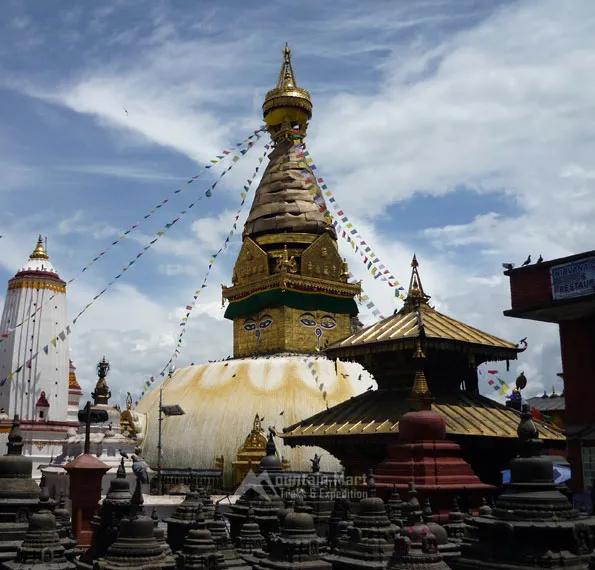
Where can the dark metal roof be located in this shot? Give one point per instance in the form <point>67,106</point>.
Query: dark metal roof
<point>545,403</point>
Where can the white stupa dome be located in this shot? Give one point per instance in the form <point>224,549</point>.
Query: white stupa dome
<point>220,400</point>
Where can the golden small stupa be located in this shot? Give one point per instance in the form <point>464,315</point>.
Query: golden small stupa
<point>289,298</point>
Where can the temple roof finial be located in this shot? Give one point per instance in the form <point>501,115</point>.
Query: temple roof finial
<point>286,77</point>
<point>286,103</point>
<point>102,394</point>
<point>416,295</point>
<point>39,252</point>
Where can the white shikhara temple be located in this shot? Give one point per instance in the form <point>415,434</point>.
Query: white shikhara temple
<point>34,364</point>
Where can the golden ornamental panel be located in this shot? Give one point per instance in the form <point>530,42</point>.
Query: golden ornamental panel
<point>30,284</point>
<point>252,264</point>
<point>322,260</point>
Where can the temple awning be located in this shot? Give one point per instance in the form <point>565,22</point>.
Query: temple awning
<point>375,413</point>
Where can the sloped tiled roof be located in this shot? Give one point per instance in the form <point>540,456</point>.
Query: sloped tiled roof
<point>418,318</point>
<point>378,412</point>
<point>409,325</point>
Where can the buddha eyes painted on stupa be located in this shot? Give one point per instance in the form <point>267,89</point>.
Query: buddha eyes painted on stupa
<point>257,325</point>
<point>249,324</point>
<point>308,319</point>
<point>319,324</point>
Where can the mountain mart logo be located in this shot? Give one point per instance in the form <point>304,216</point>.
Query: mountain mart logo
<point>254,486</point>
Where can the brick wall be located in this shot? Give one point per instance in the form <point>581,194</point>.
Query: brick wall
<point>530,287</point>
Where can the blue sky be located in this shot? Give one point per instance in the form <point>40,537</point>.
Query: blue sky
<point>457,129</point>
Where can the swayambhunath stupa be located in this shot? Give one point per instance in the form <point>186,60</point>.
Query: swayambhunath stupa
<point>290,297</point>
<point>299,424</point>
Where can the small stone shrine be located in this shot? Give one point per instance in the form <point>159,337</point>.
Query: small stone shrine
<point>414,551</point>
<point>223,543</point>
<point>532,525</point>
<point>297,545</point>
<point>136,545</point>
<point>417,547</point>
<point>370,540</point>
<point>261,492</point>
<point>160,533</point>
<point>250,543</point>
<point>394,508</point>
<point>41,549</point>
<point>182,520</point>
<point>64,526</point>
<point>106,522</point>
<point>19,494</point>
<point>199,551</point>
<point>341,513</point>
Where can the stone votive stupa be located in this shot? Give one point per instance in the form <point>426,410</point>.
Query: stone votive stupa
<point>64,526</point>
<point>341,513</point>
<point>370,540</point>
<point>250,543</point>
<point>136,546</point>
<point>106,523</point>
<point>199,551</point>
<point>532,525</point>
<point>182,520</point>
<point>41,549</point>
<point>223,542</point>
<point>297,545</point>
<point>19,494</point>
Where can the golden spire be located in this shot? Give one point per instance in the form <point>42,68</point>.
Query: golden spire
<point>420,397</point>
<point>416,295</point>
<point>287,108</point>
<point>286,81</point>
<point>39,252</point>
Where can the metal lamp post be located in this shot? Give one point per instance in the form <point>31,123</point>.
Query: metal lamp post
<point>168,410</point>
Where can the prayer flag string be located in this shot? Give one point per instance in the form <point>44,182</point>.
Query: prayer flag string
<point>367,302</point>
<point>189,308</point>
<point>226,153</point>
<point>65,332</point>
<point>377,269</point>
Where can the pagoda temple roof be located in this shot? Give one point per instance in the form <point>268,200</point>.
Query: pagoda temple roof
<point>376,413</point>
<point>545,403</point>
<point>417,318</point>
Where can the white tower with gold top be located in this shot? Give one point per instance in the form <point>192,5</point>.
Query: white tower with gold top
<point>36,387</point>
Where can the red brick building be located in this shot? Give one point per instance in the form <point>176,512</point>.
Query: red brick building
<point>562,291</point>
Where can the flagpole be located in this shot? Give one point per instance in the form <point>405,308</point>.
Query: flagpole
<point>159,489</point>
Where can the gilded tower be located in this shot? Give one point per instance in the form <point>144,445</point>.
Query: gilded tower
<point>289,287</point>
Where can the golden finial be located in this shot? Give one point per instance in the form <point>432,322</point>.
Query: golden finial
<point>416,295</point>
<point>287,108</point>
<point>39,252</point>
<point>421,397</point>
<point>286,81</point>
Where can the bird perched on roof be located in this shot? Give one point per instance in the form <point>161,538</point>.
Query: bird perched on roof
<point>370,387</point>
<point>139,468</point>
<point>508,266</point>
<point>540,259</point>
<point>526,262</point>
<point>123,454</point>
